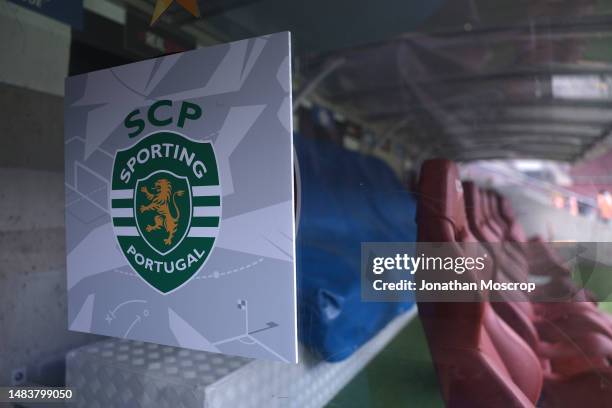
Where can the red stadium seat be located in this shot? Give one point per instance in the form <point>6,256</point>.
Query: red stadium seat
<point>480,360</point>
<point>541,259</point>
<point>555,322</point>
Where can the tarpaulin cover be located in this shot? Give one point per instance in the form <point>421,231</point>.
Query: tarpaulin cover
<point>346,199</point>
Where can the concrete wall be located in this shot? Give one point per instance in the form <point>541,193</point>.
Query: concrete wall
<point>34,60</point>
<point>33,317</point>
<point>34,50</point>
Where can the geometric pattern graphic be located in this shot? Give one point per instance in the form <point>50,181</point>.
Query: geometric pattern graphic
<point>242,299</point>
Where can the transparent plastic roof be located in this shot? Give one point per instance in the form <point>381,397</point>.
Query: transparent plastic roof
<point>529,81</point>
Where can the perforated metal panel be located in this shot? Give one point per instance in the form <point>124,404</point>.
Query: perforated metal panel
<point>123,373</point>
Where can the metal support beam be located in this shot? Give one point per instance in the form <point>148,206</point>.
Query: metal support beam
<point>310,85</point>
<point>390,133</point>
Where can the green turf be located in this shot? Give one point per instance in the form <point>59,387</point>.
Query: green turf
<point>401,375</point>
<point>606,306</point>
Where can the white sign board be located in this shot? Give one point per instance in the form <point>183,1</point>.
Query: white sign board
<point>179,200</point>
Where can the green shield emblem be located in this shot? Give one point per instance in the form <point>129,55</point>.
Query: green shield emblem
<point>166,207</point>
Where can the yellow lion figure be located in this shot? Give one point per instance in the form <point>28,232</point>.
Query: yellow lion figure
<point>160,203</point>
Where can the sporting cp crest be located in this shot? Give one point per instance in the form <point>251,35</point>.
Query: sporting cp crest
<point>166,207</point>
